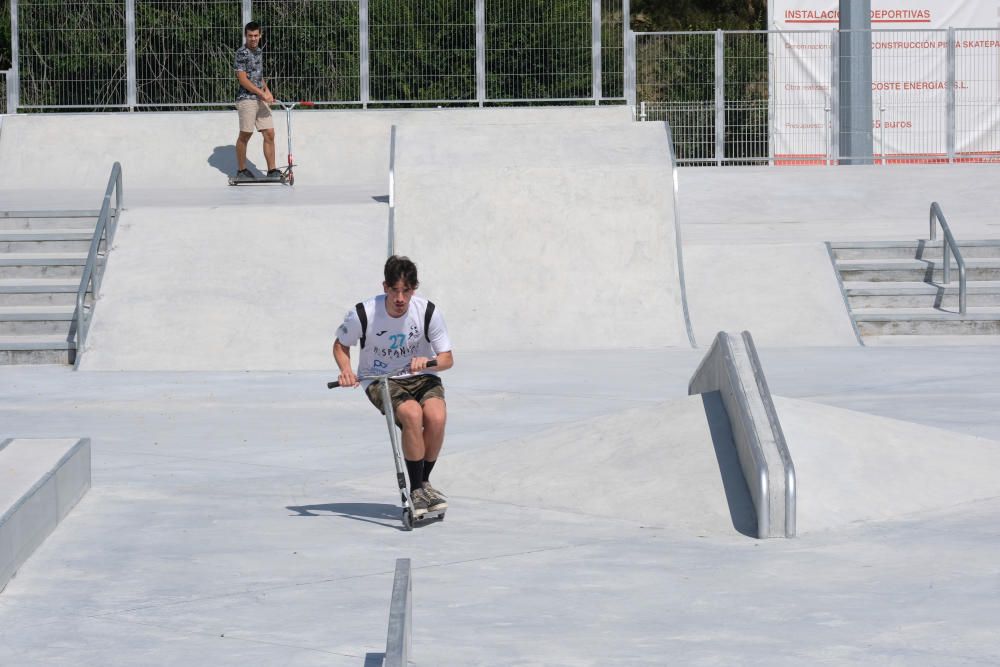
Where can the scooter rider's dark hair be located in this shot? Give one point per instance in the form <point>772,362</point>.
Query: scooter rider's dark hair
<point>397,267</point>
<point>253,25</point>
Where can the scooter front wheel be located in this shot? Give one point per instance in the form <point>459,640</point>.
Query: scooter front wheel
<point>407,520</point>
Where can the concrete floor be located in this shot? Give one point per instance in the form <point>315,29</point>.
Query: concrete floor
<point>250,518</point>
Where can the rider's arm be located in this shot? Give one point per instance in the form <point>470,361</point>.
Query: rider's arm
<point>342,355</point>
<point>261,93</point>
<point>445,360</point>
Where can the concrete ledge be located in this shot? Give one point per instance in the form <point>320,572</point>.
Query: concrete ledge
<point>397,644</point>
<point>733,369</point>
<point>40,482</point>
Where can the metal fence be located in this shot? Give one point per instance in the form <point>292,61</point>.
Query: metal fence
<point>773,97</point>
<point>4,76</point>
<point>96,54</point>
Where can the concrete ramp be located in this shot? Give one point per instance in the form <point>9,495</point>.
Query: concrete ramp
<point>196,150</point>
<point>233,288</point>
<point>672,465</point>
<point>555,237</point>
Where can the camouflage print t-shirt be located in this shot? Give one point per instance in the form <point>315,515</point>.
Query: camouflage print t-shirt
<point>251,62</point>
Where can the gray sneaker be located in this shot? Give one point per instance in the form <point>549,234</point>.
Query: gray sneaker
<point>246,174</point>
<point>419,501</point>
<point>435,499</point>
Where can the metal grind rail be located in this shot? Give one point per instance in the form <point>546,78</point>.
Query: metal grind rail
<point>93,272</point>
<point>949,243</point>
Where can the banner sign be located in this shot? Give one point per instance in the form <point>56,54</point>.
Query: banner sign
<point>911,60</point>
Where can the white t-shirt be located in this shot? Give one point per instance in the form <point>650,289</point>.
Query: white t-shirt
<point>390,342</point>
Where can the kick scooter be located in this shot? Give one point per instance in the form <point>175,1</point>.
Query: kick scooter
<point>287,176</point>
<point>397,452</point>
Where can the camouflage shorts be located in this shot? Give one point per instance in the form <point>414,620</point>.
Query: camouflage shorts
<point>415,388</point>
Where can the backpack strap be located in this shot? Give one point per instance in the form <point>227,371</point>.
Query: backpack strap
<point>363,318</point>
<point>427,320</point>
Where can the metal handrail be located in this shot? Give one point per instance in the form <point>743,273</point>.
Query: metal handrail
<point>107,223</point>
<point>949,243</point>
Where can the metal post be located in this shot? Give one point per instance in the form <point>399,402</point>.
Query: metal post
<point>595,49</point>
<point>951,95</point>
<point>363,41</point>
<point>834,97</point>
<point>481,52</point>
<point>14,77</point>
<point>856,82</point>
<point>881,129</point>
<point>247,8</point>
<point>720,97</point>
<point>130,73</point>
<point>628,42</point>
<point>630,82</point>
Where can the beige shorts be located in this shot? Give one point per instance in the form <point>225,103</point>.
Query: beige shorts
<point>254,113</point>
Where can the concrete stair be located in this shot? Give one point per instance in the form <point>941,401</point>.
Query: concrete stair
<point>42,256</point>
<point>895,288</point>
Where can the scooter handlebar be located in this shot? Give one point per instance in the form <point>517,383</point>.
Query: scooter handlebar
<point>333,385</point>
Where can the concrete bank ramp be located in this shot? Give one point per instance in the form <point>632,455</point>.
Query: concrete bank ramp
<point>554,236</point>
<point>672,465</point>
<point>786,294</point>
<point>195,150</point>
<point>233,288</point>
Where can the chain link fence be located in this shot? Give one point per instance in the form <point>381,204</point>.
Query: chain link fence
<point>774,98</point>
<point>97,54</point>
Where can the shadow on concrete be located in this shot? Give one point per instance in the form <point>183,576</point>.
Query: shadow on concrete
<point>741,509</point>
<point>223,158</point>
<point>382,199</point>
<point>377,513</point>
<point>374,659</point>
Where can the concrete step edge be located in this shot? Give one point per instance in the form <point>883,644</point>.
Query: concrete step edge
<point>891,264</point>
<point>36,313</point>
<point>922,315</point>
<point>876,245</point>
<point>890,288</point>
<point>34,342</point>
<point>23,235</point>
<point>37,285</point>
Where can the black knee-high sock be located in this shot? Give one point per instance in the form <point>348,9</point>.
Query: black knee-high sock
<point>428,466</point>
<point>416,472</point>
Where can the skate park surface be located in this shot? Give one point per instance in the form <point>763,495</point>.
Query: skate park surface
<point>243,514</point>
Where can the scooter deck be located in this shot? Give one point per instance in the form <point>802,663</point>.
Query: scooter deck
<point>263,180</point>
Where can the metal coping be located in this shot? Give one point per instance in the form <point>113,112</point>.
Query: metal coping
<point>397,644</point>
<point>720,363</point>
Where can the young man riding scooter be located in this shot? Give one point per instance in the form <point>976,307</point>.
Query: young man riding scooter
<point>401,331</point>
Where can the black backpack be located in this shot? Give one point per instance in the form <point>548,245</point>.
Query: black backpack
<point>363,317</point>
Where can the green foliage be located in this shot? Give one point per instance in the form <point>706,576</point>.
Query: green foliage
<point>5,44</point>
<point>676,15</point>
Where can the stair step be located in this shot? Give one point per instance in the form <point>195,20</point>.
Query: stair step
<point>893,314</point>
<point>37,285</point>
<point>916,249</point>
<point>38,291</point>
<point>868,294</point>
<point>36,349</point>
<point>914,270</point>
<point>56,234</point>
<point>926,321</point>
<point>12,220</point>
<point>35,313</point>
<point>36,343</point>
<point>46,320</point>
<point>43,259</point>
